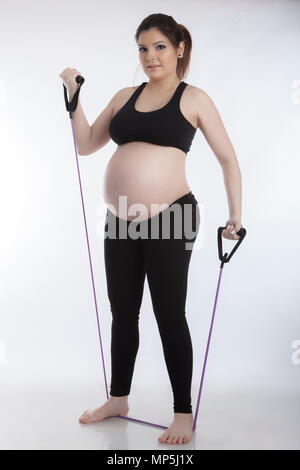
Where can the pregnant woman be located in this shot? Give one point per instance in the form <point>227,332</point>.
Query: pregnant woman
<point>154,125</point>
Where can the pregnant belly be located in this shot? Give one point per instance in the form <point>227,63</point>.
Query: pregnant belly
<point>142,179</point>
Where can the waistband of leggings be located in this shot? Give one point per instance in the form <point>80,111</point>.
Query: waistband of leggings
<point>187,198</point>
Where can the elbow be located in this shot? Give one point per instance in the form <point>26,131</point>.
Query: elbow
<point>228,161</point>
<point>92,148</point>
<point>84,151</point>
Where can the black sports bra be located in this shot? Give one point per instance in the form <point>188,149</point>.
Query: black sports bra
<point>164,126</point>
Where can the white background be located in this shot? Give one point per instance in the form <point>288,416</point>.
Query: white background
<point>245,56</point>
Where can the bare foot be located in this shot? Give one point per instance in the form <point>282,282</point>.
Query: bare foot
<point>180,431</point>
<point>113,407</point>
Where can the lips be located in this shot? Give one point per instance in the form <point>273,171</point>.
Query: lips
<point>153,66</point>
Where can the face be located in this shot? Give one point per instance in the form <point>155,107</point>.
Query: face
<point>156,49</point>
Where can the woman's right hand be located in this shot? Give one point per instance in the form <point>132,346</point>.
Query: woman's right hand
<point>68,77</point>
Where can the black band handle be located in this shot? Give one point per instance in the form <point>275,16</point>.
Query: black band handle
<point>71,107</point>
<point>225,258</point>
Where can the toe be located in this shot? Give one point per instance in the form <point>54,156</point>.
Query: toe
<point>162,438</point>
<point>180,440</point>
<point>174,439</point>
<point>84,417</point>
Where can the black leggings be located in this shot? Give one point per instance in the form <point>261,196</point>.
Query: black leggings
<point>165,258</point>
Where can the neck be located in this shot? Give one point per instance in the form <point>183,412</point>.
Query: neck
<point>163,84</point>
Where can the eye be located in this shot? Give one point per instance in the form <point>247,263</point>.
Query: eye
<point>159,45</point>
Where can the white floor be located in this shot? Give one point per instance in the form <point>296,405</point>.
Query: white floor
<point>34,417</point>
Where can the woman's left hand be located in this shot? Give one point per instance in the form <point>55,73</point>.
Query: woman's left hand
<point>232,226</point>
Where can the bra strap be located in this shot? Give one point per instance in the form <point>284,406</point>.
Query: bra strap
<point>178,93</point>
<point>136,93</point>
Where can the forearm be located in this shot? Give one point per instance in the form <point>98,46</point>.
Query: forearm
<point>233,184</point>
<point>82,129</point>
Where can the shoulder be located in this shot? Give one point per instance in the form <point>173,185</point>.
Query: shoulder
<point>199,95</point>
<point>202,102</point>
<point>125,92</point>
<point>121,96</point>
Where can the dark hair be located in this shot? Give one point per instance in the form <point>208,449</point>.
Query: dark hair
<point>175,32</point>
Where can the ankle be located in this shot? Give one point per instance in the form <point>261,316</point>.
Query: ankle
<point>191,415</point>
<point>123,398</point>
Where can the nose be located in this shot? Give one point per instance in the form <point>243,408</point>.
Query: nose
<point>151,56</point>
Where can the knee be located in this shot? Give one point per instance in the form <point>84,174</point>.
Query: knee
<point>126,315</point>
<point>170,316</point>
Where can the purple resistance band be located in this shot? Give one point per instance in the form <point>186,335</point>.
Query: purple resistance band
<point>71,107</point>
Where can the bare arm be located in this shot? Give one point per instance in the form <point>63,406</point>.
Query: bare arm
<point>212,127</point>
<point>82,129</point>
<point>88,138</point>
<point>99,131</point>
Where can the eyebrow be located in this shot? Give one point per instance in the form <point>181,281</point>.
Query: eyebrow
<point>139,44</point>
